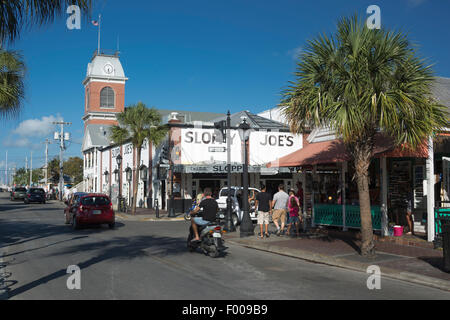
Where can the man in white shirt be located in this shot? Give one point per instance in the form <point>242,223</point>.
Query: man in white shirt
<point>279,206</point>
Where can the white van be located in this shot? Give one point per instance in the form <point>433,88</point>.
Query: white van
<point>236,198</point>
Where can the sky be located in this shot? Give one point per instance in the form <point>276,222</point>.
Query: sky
<point>198,55</point>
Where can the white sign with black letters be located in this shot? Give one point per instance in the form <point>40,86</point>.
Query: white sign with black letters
<point>269,146</point>
<point>202,146</point>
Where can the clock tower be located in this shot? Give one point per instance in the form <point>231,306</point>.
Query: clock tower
<point>104,87</point>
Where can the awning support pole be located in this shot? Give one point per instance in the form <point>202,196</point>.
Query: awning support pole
<point>430,191</point>
<point>384,195</point>
<point>343,196</point>
<point>313,224</point>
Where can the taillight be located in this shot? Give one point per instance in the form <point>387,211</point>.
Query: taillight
<point>81,208</point>
<point>217,228</point>
<point>29,196</point>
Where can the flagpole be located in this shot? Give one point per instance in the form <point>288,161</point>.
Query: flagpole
<point>99,30</point>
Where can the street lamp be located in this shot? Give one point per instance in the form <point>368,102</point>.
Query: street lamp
<point>143,173</point>
<point>225,127</point>
<point>129,177</point>
<point>106,174</point>
<point>246,228</point>
<point>118,174</point>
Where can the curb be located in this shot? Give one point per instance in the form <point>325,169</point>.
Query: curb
<point>3,292</point>
<point>147,219</point>
<point>347,264</point>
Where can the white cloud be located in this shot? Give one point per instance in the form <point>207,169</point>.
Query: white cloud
<point>37,127</point>
<point>17,142</point>
<point>294,53</point>
<point>415,3</point>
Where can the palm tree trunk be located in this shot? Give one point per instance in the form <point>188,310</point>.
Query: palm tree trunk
<point>136,179</point>
<point>362,163</point>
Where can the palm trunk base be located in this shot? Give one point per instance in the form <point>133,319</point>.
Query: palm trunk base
<point>368,249</point>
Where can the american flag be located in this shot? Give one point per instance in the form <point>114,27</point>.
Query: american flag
<point>95,23</point>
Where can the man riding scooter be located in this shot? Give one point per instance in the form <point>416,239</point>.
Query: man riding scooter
<point>209,213</point>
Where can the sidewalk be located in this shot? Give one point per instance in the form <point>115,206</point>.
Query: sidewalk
<point>143,214</point>
<point>412,263</point>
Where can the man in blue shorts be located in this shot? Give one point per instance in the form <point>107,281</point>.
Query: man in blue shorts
<point>209,213</point>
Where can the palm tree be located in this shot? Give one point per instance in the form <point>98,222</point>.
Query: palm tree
<point>357,82</point>
<point>16,14</point>
<point>136,124</point>
<point>12,73</point>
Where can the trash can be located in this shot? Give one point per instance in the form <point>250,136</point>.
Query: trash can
<point>445,235</point>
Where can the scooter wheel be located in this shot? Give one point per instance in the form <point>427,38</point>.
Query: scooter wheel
<point>189,244</point>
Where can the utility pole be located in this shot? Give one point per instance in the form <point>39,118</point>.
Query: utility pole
<point>26,168</point>
<point>6,169</point>
<point>31,170</point>
<point>61,137</point>
<point>47,142</point>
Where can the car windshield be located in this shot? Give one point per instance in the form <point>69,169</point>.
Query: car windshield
<point>95,201</point>
<point>38,191</point>
<point>21,190</point>
<point>224,192</point>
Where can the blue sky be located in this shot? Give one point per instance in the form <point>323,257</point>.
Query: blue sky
<point>198,55</point>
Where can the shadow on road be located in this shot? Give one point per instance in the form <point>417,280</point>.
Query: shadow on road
<point>19,232</point>
<point>119,248</point>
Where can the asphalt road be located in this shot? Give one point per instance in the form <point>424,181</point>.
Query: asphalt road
<point>149,260</point>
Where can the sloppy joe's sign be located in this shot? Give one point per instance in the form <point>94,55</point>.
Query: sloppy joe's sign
<point>197,146</point>
<point>269,146</point>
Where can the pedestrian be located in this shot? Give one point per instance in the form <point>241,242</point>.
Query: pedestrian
<point>263,205</point>
<point>299,193</point>
<point>292,194</point>
<point>199,197</point>
<point>409,217</point>
<point>279,207</point>
<point>293,215</point>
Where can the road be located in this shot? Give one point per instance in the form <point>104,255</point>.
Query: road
<point>149,260</point>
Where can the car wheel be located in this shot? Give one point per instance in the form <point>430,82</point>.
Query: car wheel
<point>235,219</point>
<point>75,225</point>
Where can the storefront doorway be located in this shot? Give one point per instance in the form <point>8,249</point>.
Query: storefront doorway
<point>214,185</point>
<point>272,186</point>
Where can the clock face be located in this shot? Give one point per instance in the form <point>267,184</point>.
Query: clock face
<point>108,68</point>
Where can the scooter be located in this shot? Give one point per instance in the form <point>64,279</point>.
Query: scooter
<point>211,242</point>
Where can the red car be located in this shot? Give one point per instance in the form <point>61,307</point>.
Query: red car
<point>93,209</point>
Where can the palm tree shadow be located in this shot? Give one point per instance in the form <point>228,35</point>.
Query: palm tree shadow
<point>115,249</point>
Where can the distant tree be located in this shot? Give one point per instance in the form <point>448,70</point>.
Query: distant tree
<point>53,170</point>
<point>22,176</point>
<point>73,167</point>
<point>136,124</point>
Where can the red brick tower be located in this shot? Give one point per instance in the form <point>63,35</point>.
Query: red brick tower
<point>104,90</point>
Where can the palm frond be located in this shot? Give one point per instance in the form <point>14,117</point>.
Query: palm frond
<point>358,81</point>
<point>16,14</point>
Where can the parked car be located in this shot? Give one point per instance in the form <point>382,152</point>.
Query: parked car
<point>35,195</point>
<point>236,197</point>
<point>72,205</point>
<point>93,209</point>
<point>18,193</point>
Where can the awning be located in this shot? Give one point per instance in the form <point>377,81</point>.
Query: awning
<point>335,151</point>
